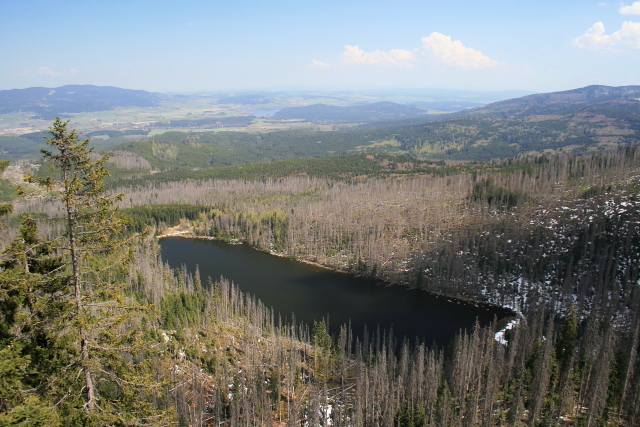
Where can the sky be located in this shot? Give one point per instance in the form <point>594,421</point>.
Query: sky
<point>248,45</point>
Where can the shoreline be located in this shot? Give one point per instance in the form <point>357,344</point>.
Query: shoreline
<point>509,314</point>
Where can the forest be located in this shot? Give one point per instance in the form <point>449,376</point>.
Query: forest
<point>98,330</point>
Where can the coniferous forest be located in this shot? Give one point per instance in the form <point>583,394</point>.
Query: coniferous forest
<point>97,330</point>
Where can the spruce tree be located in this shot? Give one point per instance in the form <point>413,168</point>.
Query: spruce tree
<point>5,208</point>
<point>23,325</point>
<point>107,376</point>
<point>28,302</point>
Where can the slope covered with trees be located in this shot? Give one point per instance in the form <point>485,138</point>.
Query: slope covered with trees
<point>531,105</point>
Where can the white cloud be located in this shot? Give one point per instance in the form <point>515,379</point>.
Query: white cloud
<point>627,37</point>
<point>318,64</point>
<point>454,53</point>
<point>634,9</point>
<point>393,57</point>
<point>46,71</point>
<point>450,52</point>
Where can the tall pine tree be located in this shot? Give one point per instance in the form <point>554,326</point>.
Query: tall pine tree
<point>100,357</point>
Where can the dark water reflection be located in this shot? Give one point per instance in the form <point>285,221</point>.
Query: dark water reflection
<point>313,293</point>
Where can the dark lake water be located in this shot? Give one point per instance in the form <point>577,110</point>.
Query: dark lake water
<point>314,293</point>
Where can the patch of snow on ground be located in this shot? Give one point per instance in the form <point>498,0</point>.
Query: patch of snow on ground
<point>499,336</point>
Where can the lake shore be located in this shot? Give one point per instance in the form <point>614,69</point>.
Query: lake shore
<point>509,315</point>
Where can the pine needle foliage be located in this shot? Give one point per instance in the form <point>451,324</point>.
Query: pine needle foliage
<point>96,365</point>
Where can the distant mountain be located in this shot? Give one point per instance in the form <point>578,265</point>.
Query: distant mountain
<point>376,111</point>
<point>557,102</point>
<point>575,121</point>
<point>48,103</point>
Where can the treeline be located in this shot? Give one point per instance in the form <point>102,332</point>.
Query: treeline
<point>213,122</point>
<point>158,216</point>
<point>175,149</point>
<point>489,138</point>
<point>116,133</point>
<point>194,149</point>
<point>17,147</point>
<point>349,167</point>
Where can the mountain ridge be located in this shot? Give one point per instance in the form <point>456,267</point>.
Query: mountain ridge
<point>48,103</point>
<point>561,101</point>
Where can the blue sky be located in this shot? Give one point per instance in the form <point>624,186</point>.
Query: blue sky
<point>241,45</point>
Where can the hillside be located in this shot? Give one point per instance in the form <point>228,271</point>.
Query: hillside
<point>580,120</point>
<point>555,102</point>
<point>48,103</point>
<point>342,168</point>
<point>174,150</point>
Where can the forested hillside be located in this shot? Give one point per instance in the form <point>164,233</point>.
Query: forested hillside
<point>555,102</point>
<point>174,150</point>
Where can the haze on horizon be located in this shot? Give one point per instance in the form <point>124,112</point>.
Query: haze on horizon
<point>166,46</point>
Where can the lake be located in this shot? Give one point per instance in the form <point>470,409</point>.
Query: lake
<point>313,293</point>
<point>262,112</point>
